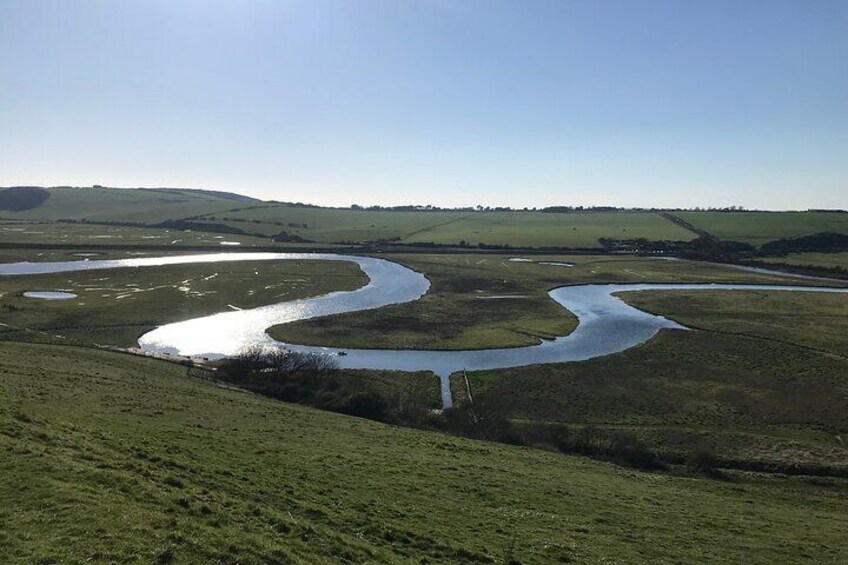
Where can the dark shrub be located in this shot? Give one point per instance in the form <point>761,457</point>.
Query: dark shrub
<point>366,405</point>
<point>703,460</point>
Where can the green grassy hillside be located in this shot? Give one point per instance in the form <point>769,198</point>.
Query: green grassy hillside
<point>534,229</point>
<point>109,458</point>
<point>757,228</point>
<point>578,229</point>
<point>125,205</point>
<point>530,229</point>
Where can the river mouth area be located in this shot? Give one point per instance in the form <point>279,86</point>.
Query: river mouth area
<point>606,324</point>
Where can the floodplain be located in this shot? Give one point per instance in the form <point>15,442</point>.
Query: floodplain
<point>705,444</point>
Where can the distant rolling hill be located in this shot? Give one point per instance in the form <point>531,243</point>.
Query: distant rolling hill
<point>20,198</point>
<point>204,209</point>
<point>140,205</point>
<point>560,227</point>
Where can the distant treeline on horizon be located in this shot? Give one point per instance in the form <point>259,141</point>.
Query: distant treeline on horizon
<point>431,208</point>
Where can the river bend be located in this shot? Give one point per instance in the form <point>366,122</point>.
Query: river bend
<point>606,324</point>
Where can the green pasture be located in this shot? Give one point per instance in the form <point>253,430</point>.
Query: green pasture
<point>518,229</point>
<point>335,225</point>
<point>331,225</point>
<point>757,228</point>
<point>808,319</point>
<point>111,458</point>
<point>536,229</point>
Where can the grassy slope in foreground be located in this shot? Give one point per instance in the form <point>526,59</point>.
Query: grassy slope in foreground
<point>113,458</point>
<point>757,228</point>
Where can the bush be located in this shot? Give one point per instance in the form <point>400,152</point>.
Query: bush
<point>703,460</point>
<point>366,405</point>
<point>302,378</point>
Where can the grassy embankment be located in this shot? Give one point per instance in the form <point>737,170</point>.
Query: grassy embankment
<point>114,458</point>
<point>461,311</point>
<point>757,228</point>
<point>116,306</point>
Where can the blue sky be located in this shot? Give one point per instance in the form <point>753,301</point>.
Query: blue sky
<point>446,102</point>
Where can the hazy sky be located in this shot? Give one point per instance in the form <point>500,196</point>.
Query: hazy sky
<point>447,102</point>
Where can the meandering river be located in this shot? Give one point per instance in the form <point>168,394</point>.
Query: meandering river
<point>606,324</point>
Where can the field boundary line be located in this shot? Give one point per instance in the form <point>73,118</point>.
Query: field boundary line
<point>686,225</point>
<point>428,228</point>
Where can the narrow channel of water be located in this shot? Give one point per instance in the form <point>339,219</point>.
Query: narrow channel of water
<point>49,294</point>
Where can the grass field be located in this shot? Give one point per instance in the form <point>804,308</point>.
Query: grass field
<point>110,458</point>
<point>533,229</point>
<point>116,306</point>
<point>761,383</point>
<point>335,225</point>
<point>814,259</point>
<point>530,229</point>
<point>757,228</point>
<point>754,402</point>
<point>818,321</point>
<point>331,224</point>
<point>462,309</point>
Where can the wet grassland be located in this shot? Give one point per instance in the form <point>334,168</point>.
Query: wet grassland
<point>484,301</point>
<point>116,306</point>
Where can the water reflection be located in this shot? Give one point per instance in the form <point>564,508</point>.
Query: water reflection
<point>606,324</point>
<point>49,294</point>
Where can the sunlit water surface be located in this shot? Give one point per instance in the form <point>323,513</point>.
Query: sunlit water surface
<point>606,323</point>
